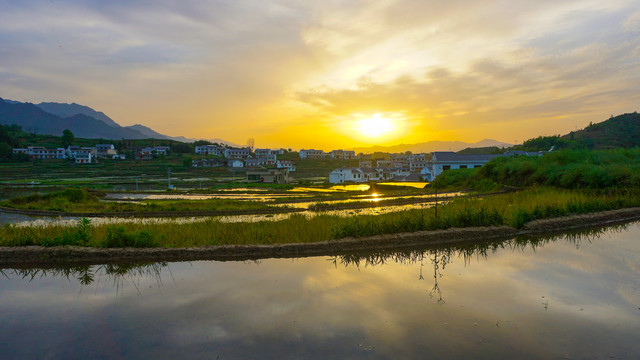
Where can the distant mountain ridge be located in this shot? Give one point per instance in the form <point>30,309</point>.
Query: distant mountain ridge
<point>52,118</point>
<point>431,146</point>
<point>33,119</point>
<point>66,110</point>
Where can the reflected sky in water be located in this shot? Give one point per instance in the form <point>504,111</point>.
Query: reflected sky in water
<point>562,298</point>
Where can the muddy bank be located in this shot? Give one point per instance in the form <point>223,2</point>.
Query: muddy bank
<point>34,255</point>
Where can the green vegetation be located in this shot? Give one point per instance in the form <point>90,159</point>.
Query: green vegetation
<point>513,209</point>
<point>618,131</point>
<point>10,137</point>
<point>482,150</point>
<point>83,200</point>
<point>467,179</point>
<point>567,169</point>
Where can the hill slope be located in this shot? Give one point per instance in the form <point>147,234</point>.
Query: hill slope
<point>618,131</point>
<point>65,110</point>
<point>33,119</point>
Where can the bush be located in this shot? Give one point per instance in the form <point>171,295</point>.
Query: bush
<point>118,237</point>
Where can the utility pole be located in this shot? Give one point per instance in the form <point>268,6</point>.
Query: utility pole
<point>436,202</point>
<point>169,171</point>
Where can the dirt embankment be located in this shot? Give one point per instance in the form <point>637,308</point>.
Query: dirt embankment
<point>79,255</point>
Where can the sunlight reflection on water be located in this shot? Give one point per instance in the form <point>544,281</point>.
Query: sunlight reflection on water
<point>569,296</point>
<point>22,221</point>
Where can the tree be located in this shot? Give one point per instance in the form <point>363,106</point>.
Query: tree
<point>182,148</point>
<point>202,143</point>
<point>251,142</point>
<point>5,151</point>
<point>67,138</point>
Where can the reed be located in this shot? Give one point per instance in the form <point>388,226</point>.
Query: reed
<point>84,200</point>
<point>567,169</point>
<point>512,209</point>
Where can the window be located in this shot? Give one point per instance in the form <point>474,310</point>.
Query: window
<point>477,166</point>
<point>446,167</point>
<point>463,166</point>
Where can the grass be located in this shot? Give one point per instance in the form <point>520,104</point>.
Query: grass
<point>513,209</point>
<point>567,169</point>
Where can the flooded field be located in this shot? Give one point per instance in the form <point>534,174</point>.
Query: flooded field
<point>573,297</point>
<point>293,199</point>
<point>26,220</point>
<point>258,196</point>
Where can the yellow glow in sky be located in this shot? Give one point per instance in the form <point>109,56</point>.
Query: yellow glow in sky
<point>329,75</point>
<point>375,127</point>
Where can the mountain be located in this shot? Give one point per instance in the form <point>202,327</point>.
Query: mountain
<point>33,119</point>
<point>431,146</point>
<point>65,110</point>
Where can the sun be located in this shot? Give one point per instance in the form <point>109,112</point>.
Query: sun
<point>376,126</point>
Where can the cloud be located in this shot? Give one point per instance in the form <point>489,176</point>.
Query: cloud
<point>197,68</point>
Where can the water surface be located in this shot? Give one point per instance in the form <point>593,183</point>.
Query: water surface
<point>572,297</point>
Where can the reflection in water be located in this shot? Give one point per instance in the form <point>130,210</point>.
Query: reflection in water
<point>354,187</point>
<point>85,275</point>
<point>41,221</point>
<point>417,185</point>
<point>568,296</point>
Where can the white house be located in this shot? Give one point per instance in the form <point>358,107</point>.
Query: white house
<point>342,175</point>
<point>265,152</point>
<point>342,154</point>
<point>267,160</point>
<point>399,160</point>
<point>39,152</point>
<point>417,165</point>
<point>312,154</point>
<point>255,162</point>
<point>83,158</point>
<point>210,150</point>
<point>235,164</point>
<point>358,175</point>
<point>261,152</point>
<point>106,150</point>
<point>383,164</point>
<point>164,150</point>
<point>286,164</point>
<point>236,153</point>
<point>273,176</point>
<point>447,160</point>
<point>74,151</point>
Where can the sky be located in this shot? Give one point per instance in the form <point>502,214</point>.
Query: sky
<point>329,74</point>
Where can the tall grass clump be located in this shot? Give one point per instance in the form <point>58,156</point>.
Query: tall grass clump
<point>468,179</point>
<point>56,201</point>
<point>568,169</point>
<point>82,200</point>
<point>511,209</point>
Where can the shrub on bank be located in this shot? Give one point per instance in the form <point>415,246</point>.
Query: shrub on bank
<point>567,169</point>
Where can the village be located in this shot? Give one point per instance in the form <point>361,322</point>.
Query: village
<point>277,165</point>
